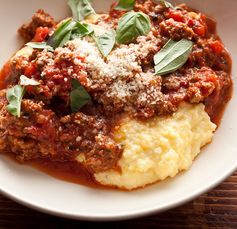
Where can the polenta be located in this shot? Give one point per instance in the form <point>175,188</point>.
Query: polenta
<point>159,148</point>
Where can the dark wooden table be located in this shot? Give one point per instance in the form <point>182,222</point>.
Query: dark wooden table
<point>216,209</point>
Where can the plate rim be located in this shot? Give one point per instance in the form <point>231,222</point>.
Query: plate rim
<point>121,216</point>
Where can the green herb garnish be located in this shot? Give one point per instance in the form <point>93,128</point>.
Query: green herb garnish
<point>68,30</point>
<point>81,9</point>
<point>40,45</point>
<point>131,25</point>
<point>125,5</point>
<point>81,30</point>
<point>62,34</point>
<point>15,95</point>
<point>14,98</point>
<point>106,42</point>
<point>79,96</point>
<point>166,4</point>
<point>172,56</point>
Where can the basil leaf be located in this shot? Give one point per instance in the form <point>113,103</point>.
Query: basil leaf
<point>79,96</point>
<point>81,9</point>
<point>62,34</point>
<point>125,5</point>
<point>81,30</point>
<point>65,39</point>
<point>172,56</point>
<point>132,25</point>
<point>40,45</point>
<point>25,81</point>
<point>166,4</point>
<point>14,98</point>
<point>106,42</point>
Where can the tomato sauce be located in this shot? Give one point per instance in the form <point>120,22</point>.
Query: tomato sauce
<point>5,75</point>
<point>67,171</point>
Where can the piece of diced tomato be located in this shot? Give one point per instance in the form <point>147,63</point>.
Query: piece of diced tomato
<point>191,22</point>
<point>30,70</point>
<point>41,34</point>
<point>176,15</point>
<point>200,30</point>
<point>216,46</point>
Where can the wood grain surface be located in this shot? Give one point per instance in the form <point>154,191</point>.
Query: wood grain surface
<point>216,209</point>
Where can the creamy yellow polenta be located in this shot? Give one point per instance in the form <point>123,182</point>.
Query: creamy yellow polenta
<point>159,148</point>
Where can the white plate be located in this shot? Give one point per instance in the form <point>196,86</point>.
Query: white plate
<point>42,192</point>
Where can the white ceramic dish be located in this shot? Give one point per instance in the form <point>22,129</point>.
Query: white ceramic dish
<point>42,192</point>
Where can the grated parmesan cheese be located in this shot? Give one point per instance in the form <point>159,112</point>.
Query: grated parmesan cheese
<point>121,73</point>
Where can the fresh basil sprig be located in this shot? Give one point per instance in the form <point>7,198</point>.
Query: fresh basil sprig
<point>15,95</point>
<point>81,30</point>
<point>81,9</point>
<point>68,30</point>
<point>40,45</point>
<point>106,42</point>
<point>166,4</point>
<point>131,25</point>
<point>125,5</point>
<point>25,81</point>
<point>14,98</point>
<point>62,34</point>
<point>172,56</point>
<point>79,96</point>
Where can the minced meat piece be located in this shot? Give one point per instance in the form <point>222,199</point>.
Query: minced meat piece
<point>176,30</point>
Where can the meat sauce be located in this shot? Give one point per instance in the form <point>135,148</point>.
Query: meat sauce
<point>215,103</point>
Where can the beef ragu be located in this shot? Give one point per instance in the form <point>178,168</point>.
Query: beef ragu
<point>52,129</point>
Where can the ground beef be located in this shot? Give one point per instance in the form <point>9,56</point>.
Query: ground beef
<point>39,133</point>
<point>176,30</point>
<point>39,19</point>
<point>54,72</point>
<point>193,85</point>
<point>148,6</point>
<point>210,52</point>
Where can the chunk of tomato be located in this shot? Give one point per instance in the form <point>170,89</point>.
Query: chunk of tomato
<point>176,15</point>
<point>30,70</point>
<point>216,46</point>
<point>200,30</point>
<point>41,34</point>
